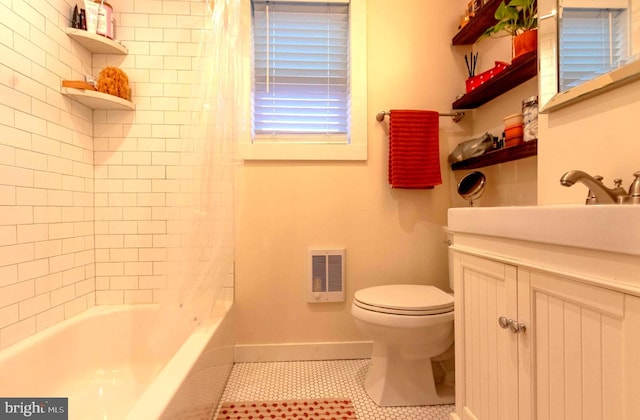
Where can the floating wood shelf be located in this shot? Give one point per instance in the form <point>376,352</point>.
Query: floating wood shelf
<point>96,43</point>
<point>521,151</point>
<point>483,19</point>
<point>521,69</point>
<point>98,100</point>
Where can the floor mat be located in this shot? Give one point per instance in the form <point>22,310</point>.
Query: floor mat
<point>319,409</point>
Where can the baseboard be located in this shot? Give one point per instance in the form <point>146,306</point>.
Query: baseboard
<point>302,351</point>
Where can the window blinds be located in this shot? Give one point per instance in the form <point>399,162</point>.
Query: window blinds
<point>592,42</point>
<point>301,68</point>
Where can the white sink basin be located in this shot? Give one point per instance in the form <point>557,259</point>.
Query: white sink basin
<point>614,228</point>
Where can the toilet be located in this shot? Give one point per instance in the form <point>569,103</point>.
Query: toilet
<point>411,327</point>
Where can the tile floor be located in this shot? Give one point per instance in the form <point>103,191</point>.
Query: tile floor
<point>318,379</point>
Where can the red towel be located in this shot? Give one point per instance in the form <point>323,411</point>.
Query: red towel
<point>414,152</point>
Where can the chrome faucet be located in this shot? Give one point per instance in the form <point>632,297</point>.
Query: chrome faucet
<point>598,192</point>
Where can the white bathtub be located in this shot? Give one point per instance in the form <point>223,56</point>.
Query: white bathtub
<point>125,362</point>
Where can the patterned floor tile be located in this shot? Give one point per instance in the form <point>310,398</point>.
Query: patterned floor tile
<point>319,379</point>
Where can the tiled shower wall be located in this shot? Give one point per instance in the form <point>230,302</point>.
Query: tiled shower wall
<point>84,195</point>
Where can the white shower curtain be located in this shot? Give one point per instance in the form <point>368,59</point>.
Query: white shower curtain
<point>200,258</point>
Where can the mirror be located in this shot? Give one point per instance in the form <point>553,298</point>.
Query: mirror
<point>569,72</point>
<point>471,187</point>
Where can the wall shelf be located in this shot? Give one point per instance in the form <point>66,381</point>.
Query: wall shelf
<point>96,43</point>
<point>521,69</point>
<point>98,100</point>
<point>484,18</point>
<point>521,151</point>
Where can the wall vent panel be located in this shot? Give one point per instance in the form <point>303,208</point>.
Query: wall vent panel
<point>326,275</point>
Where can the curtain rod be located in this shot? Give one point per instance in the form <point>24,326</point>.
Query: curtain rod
<point>457,116</point>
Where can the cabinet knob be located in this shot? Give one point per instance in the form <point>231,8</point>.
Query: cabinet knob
<point>517,328</point>
<point>504,322</point>
<point>513,325</point>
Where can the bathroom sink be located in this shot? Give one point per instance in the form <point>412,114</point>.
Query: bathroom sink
<point>614,228</point>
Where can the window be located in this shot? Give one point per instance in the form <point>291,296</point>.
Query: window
<point>593,42</point>
<point>309,81</point>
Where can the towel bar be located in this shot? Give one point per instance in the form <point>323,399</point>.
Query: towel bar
<point>457,116</point>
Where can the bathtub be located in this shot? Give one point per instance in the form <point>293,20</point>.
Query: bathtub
<point>114,363</point>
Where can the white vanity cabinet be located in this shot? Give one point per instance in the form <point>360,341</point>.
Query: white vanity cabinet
<point>570,346</point>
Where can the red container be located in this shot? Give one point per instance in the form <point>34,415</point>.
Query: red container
<point>475,81</point>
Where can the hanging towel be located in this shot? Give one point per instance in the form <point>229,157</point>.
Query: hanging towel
<point>414,152</point>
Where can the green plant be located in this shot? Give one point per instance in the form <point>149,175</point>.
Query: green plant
<point>514,18</point>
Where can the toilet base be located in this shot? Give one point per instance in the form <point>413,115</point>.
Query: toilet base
<point>393,380</point>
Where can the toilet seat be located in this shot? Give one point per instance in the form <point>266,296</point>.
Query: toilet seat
<point>404,299</point>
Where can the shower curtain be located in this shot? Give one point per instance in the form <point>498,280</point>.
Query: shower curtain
<point>200,259</point>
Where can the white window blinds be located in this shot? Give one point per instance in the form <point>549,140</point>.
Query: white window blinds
<point>592,42</point>
<point>301,68</point>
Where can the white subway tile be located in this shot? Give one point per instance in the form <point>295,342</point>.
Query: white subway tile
<point>9,315</point>
<point>59,165</point>
<point>122,171</point>
<point>124,255</point>
<point>16,332</point>
<point>61,263</point>
<point>15,293</point>
<point>46,145</point>
<point>84,287</point>
<point>18,62</point>
<point>138,241</point>
<point>77,305</point>
<point>13,137</point>
<point>30,123</point>
<point>135,20</point>
<point>138,296</point>
<point>60,230</point>
<point>8,235</point>
<point>33,306</point>
<point>62,295</point>
<point>83,228</point>
<point>148,34</point>
<point>46,249</point>
<point>108,213</point>
<point>48,283</point>
<point>152,199</point>
<point>176,35</point>
<point>123,227</point>
<point>46,215</point>
<point>73,276</point>
<point>49,317</point>
<point>165,131</point>
<point>137,185</point>
<point>33,233</point>
<point>137,213</point>
<point>16,215</point>
<point>31,196</point>
<point>110,241</point>
<point>152,282</point>
<point>30,50</point>
<point>152,145</point>
<point>59,198</point>
<point>152,254</point>
<point>138,268</point>
<point>163,21</point>
<point>109,297</point>
<point>148,6</point>
<point>75,244</point>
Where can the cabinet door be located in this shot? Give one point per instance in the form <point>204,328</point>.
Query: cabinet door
<point>486,355</point>
<point>585,350</point>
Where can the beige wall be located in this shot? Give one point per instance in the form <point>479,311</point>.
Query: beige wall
<point>598,135</point>
<point>391,236</point>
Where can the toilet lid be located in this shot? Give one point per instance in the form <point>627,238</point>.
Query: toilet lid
<point>404,299</point>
